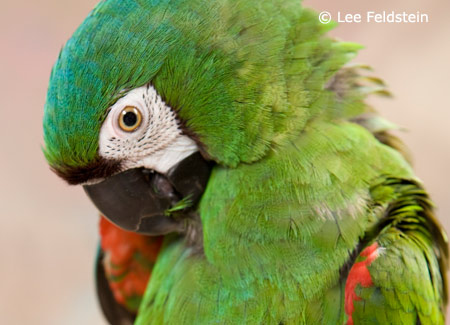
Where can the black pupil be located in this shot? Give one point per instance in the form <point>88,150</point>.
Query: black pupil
<point>130,119</point>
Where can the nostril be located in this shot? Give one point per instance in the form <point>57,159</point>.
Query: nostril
<point>148,174</point>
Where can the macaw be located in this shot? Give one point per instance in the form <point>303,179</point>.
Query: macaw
<point>240,174</point>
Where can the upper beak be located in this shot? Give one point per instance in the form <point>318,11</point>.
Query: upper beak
<point>139,199</point>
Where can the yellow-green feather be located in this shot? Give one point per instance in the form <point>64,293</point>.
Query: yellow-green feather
<point>409,276</point>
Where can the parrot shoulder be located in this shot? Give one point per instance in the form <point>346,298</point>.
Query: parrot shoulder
<point>400,274</point>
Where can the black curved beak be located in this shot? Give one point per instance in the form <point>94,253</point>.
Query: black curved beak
<point>140,200</point>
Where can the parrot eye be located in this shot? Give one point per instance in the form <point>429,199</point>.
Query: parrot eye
<point>130,118</point>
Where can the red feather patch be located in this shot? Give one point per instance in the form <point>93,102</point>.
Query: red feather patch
<point>128,262</point>
<point>359,274</point>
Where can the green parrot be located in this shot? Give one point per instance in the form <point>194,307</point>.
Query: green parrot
<point>241,175</point>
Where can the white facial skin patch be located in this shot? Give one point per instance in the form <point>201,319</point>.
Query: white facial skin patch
<point>156,142</point>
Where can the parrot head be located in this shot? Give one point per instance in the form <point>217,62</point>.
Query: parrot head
<point>147,95</point>
<point>142,101</point>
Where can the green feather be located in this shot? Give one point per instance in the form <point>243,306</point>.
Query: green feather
<point>304,176</point>
<point>242,75</point>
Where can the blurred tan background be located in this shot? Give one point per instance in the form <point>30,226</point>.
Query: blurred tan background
<point>48,230</point>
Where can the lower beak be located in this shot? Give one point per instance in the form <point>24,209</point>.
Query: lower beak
<point>140,200</point>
